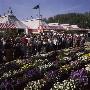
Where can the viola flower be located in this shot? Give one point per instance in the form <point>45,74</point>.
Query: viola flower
<point>87,67</point>
<point>65,85</point>
<point>35,85</point>
<point>80,77</point>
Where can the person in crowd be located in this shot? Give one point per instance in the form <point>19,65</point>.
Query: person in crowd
<point>82,41</point>
<point>8,50</point>
<point>24,46</point>
<point>1,51</point>
<point>17,51</point>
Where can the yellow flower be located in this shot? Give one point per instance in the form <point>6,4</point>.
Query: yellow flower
<point>87,55</point>
<point>25,66</point>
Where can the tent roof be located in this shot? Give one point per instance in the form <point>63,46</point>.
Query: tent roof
<point>34,23</point>
<point>7,26</point>
<point>11,19</point>
<point>37,23</point>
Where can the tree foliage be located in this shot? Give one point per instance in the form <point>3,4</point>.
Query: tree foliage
<point>81,19</point>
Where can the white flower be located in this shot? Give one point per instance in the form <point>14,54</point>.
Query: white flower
<point>87,68</point>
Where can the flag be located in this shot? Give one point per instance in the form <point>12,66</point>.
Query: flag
<point>36,7</point>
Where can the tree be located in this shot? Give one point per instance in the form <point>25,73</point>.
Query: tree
<point>80,19</point>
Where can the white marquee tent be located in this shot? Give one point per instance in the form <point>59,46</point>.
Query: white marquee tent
<point>10,21</point>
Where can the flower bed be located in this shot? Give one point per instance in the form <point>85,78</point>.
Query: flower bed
<point>60,70</point>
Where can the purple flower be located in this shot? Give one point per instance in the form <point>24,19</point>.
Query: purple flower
<point>80,76</point>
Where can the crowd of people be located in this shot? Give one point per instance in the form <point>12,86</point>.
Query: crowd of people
<point>12,48</point>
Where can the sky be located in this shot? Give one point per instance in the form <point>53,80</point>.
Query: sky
<point>23,8</point>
